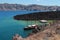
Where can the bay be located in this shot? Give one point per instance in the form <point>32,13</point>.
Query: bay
<point>10,27</point>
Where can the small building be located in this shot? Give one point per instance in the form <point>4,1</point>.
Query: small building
<point>43,22</point>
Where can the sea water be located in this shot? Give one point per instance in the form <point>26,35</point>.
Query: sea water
<point>10,27</point>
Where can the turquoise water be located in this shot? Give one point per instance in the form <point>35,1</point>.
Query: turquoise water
<point>9,26</point>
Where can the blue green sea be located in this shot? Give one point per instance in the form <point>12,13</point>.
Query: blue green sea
<point>10,27</point>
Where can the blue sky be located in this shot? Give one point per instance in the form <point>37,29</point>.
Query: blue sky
<point>27,2</point>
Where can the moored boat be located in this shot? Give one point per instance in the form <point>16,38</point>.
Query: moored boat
<point>30,27</point>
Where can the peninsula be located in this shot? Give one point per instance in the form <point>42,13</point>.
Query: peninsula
<point>50,15</point>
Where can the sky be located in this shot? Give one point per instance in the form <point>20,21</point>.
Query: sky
<point>27,2</point>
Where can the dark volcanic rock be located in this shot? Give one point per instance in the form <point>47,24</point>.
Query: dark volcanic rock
<point>51,15</point>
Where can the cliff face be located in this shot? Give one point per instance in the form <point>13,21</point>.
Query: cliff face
<point>51,15</point>
<point>27,7</point>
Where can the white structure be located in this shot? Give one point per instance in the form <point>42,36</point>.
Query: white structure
<point>33,25</point>
<point>43,21</point>
<point>29,25</point>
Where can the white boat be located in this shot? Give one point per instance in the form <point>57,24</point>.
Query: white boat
<point>29,27</point>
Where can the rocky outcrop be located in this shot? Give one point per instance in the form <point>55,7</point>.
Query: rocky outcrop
<point>50,15</point>
<point>35,7</point>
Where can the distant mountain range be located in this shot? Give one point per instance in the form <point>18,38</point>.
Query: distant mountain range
<point>28,7</point>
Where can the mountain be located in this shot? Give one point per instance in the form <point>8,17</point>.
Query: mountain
<point>27,7</point>
<point>11,7</point>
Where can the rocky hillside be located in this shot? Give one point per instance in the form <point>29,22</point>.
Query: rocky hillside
<point>27,7</point>
<point>51,32</point>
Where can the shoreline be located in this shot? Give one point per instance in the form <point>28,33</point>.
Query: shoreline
<point>51,33</point>
<point>50,15</point>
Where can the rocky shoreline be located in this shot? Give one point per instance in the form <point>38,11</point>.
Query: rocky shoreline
<point>52,32</point>
<point>50,15</point>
